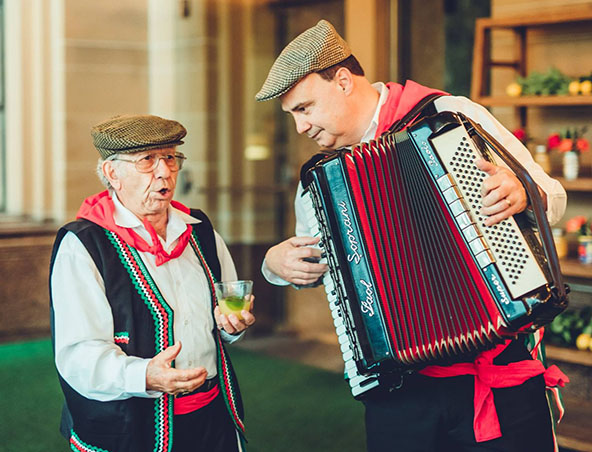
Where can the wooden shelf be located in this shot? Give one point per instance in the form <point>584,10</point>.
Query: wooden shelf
<point>569,355</point>
<point>574,268</point>
<point>580,184</point>
<point>560,16</point>
<point>534,101</point>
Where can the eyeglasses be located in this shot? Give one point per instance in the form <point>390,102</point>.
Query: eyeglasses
<point>149,162</point>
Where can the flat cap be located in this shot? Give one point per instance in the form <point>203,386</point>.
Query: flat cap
<point>134,133</point>
<point>313,50</point>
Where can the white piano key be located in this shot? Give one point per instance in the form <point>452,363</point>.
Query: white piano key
<point>342,338</point>
<point>470,232</point>
<point>464,220</point>
<point>485,258</point>
<point>350,364</point>
<point>357,390</point>
<point>348,355</point>
<point>478,245</point>
<point>451,194</point>
<point>345,347</point>
<point>338,322</point>
<point>445,182</point>
<point>352,373</point>
<point>340,330</point>
<point>458,207</point>
<point>356,381</point>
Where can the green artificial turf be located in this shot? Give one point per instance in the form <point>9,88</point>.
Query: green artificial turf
<point>289,407</point>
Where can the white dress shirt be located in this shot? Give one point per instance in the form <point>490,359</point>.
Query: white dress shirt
<point>85,352</point>
<point>556,196</point>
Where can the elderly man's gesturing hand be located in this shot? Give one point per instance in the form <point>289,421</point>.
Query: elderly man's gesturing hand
<point>160,376</point>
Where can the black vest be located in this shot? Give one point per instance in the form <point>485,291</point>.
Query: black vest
<point>143,326</point>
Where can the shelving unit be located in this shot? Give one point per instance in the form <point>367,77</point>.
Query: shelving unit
<point>583,184</point>
<point>568,355</point>
<point>573,268</point>
<point>574,431</point>
<point>483,63</point>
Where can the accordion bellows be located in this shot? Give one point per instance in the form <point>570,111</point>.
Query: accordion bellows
<point>415,276</point>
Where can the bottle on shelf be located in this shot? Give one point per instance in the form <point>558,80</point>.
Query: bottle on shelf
<point>542,158</point>
<point>560,242</point>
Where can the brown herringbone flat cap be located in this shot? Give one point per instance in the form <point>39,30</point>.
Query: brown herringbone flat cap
<point>315,49</point>
<point>134,133</point>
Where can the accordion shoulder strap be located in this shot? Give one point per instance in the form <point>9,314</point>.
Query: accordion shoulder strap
<point>425,107</point>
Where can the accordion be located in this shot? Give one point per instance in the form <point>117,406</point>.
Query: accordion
<point>415,277</point>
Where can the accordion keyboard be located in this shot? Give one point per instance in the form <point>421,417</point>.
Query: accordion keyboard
<point>359,383</point>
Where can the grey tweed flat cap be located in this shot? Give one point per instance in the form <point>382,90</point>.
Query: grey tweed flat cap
<point>134,133</point>
<point>313,50</point>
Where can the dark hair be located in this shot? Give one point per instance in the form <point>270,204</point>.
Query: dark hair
<point>350,63</point>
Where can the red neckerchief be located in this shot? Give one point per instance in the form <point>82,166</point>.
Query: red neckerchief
<point>401,99</point>
<point>99,209</point>
<point>488,375</point>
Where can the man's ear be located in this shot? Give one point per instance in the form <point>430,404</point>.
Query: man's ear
<point>345,80</point>
<point>110,173</point>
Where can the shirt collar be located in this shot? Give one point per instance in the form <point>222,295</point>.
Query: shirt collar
<point>371,130</point>
<point>176,225</point>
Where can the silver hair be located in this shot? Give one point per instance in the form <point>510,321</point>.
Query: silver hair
<point>102,178</point>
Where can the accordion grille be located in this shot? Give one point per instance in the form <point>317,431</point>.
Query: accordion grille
<point>507,246</point>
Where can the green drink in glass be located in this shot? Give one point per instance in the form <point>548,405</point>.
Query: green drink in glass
<point>234,296</point>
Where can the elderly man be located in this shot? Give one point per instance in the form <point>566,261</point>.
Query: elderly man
<point>138,337</point>
<point>322,86</point>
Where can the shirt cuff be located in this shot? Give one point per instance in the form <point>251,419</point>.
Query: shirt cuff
<point>272,277</point>
<point>135,379</point>
<point>231,338</point>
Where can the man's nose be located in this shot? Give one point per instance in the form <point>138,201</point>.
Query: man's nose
<point>302,125</point>
<point>162,169</point>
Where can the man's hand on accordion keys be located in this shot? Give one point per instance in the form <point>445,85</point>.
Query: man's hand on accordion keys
<point>293,260</point>
<point>503,194</point>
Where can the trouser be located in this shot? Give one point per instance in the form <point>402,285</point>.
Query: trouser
<point>436,415</point>
<point>208,429</point>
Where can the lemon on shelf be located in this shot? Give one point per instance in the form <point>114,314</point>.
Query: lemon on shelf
<point>514,89</point>
<point>583,341</point>
<point>574,87</point>
<point>586,87</point>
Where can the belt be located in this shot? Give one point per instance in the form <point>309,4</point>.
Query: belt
<point>207,386</point>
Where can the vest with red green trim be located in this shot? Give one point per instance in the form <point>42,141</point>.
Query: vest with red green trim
<point>143,326</point>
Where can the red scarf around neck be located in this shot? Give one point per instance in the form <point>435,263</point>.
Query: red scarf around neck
<point>100,208</point>
<point>401,99</point>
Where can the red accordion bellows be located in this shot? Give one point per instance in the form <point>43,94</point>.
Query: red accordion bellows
<point>432,295</point>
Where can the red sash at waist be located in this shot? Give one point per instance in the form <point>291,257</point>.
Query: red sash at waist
<point>487,376</point>
<point>193,402</point>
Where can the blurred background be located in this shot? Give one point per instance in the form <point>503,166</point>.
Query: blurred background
<point>68,64</point>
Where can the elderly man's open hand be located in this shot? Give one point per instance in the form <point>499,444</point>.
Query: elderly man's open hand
<point>160,376</point>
